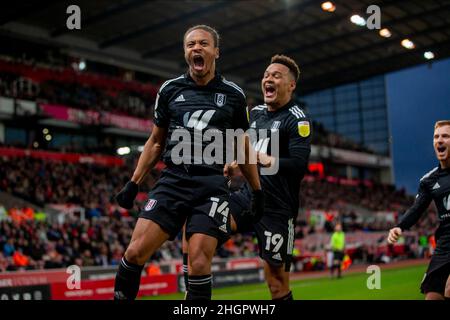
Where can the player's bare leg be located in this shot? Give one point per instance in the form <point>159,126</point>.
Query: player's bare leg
<point>278,282</point>
<point>447,289</point>
<point>146,239</point>
<point>201,249</point>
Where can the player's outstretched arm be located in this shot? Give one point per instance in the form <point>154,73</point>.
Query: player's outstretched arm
<point>147,160</point>
<point>413,214</point>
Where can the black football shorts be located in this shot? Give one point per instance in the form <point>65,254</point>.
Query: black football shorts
<point>196,197</point>
<point>275,230</point>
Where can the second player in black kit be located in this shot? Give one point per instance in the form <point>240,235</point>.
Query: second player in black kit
<point>434,186</point>
<point>276,229</point>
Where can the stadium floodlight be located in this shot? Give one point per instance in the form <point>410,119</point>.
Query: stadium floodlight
<point>328,6</point>
<point>36,144</point>
<point>48,137</point>
<point>358,20</point>
<point>385,32</point>
<point>123,151</point>
<point>45,131</point>
<point>82,65</point>
<point>428,55</point>
<point>140,148</point>
<point>408,44</point>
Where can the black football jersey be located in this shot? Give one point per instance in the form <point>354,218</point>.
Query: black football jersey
<point>215,107</point>
<point>291,151</point>
<point>434,186</point>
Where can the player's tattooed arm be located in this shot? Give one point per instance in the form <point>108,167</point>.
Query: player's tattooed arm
<point>153,149</point>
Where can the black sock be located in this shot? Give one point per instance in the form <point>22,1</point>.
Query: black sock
<point>199,287</point>
<point>185,271</point>
<point>287,297</point>
<point>128,278</point>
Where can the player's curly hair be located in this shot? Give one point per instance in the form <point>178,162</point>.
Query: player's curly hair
<point>288,62</point>
<point>206,28</point>
<point>441,123</point>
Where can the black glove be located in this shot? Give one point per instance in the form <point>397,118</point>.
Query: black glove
<point>125,198</point>
<point>257,205</point>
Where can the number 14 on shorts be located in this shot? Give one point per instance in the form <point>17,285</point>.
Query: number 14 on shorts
<point>221,209</point>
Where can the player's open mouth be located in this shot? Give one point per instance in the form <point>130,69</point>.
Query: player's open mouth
<point>441,149</point>
<point>199,63</point>
<point>269,91</point>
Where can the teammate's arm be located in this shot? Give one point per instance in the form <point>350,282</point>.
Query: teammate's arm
<point>412,215</point>
<point>248,168</point>
<point>299,149</point>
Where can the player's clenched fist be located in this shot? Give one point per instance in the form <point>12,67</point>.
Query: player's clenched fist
<point>394,234</point>
<point>126,196</point>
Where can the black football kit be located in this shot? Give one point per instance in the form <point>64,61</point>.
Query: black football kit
<point>194,191</point>
<point>434,186</point>
<point>275,230</point>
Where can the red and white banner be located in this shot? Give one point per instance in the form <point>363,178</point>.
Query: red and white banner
<point>31,278</point>
<point>104,289</point>
<point>88,117</point>
<point>70,114</point>
<point>244,263</point>
<point>103,160</point>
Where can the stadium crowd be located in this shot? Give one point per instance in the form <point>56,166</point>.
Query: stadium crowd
<point>100,238</point>
<point>90,186</point>
<point>84,96</point>
<point>58,81</point>
<point>34,244</point>
<point>52,77</point>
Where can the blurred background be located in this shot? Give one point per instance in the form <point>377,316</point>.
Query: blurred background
<point>76,107</point>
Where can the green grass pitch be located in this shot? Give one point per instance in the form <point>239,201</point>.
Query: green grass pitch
<point>396,284</point>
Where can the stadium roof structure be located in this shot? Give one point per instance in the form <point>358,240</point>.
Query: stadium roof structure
<point>329,48</point>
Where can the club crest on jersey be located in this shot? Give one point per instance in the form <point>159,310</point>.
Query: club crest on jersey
<point>150,204</point>
<point>220,99</point>
<point>304,129</point>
